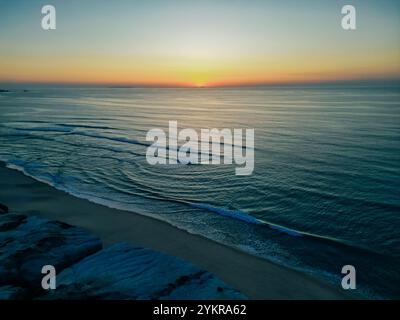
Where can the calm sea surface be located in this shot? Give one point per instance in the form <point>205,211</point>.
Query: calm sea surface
<point>326,183</point>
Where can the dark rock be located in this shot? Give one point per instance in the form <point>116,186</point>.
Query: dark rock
<point>127,272</point>
<point>11,221</point>
<point>2,90</point>
<point>29,243</point>
<point>3,208</point>
<point>12,293</point>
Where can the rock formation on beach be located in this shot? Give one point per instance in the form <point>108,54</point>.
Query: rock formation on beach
<point>126,272</point>
<point>29,243</point>
<point>3,208</point>
<point>87,271</point>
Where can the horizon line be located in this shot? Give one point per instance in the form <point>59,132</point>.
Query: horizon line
<point>205,86</point>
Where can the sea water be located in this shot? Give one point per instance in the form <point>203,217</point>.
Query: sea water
<point>324,192</point>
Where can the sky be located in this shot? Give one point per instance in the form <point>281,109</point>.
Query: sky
<point>198,43</point>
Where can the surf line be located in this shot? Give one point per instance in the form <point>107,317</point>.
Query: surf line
<point>166,149</point>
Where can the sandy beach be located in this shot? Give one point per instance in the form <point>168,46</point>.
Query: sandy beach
<point>253,276</point>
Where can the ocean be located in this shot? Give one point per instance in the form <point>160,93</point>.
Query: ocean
<point>324,192</point>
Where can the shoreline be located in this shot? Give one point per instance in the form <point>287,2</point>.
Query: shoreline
<point>255,277</point>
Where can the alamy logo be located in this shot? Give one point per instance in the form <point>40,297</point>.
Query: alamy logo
<point>349,20</point>
<point>349,280</point>
<point>49,280</point>
<point>215,147</point>
<point>49,20</point>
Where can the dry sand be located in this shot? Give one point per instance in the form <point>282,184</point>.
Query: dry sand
<point>255,277</point>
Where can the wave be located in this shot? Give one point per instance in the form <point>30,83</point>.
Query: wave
<point>20,165</point>
<point>33,170</point>
<point>57,127</point>
<point>70,128</point>
<point>245,217</point>
<point>43,129</point>
<point>85,126</point>
<point>115,139</point>
<point>30,169</point>
<point>236,214</point>
<point>140,143</point>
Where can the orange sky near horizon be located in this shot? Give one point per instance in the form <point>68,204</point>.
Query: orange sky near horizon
<point>189,72</point>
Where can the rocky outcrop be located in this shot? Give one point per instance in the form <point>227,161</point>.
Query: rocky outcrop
<point>84,271</point>
<point>3,208</point>
<point>126,272</point>
<point>10,222</point>
<point>29,243</point>
<point>12,293</point>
